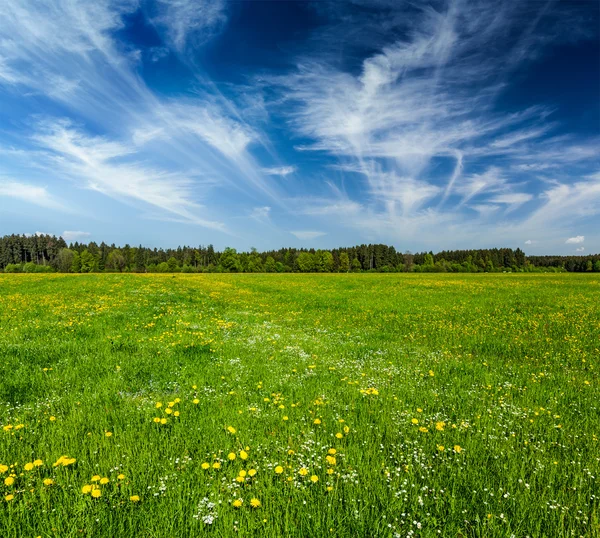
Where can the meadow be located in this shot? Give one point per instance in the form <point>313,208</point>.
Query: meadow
<point>298,405</point>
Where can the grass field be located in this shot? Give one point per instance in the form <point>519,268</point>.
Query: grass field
<point>299,405</point>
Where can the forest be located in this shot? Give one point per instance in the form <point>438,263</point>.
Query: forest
<point>45,253</point>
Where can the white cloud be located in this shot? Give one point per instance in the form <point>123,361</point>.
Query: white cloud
<point>575,240</point>
<point>580,249</point>
<point>75,236</point>
<point>307,235</point>
<point>279,171</point>
<point>33,194</point>
<point>514,198</point>
<point>185,21</point>
<point>261,213</point>
<point>100,164</point>
<point>68,51</point>
<point>529,242</point>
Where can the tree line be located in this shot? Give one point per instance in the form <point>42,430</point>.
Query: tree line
<point>45,253</point>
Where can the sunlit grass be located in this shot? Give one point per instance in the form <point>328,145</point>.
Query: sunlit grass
<point>299,405</point>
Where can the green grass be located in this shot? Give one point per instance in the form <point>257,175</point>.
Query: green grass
<point>501,370</point>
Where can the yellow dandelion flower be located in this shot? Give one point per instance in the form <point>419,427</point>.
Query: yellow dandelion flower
<point>329,488</point>
<point>237,503</point>
<point>439,426</point>
<point>28,466</point>
<point>314,479</point>
<point>231,456</point>
<point>254,503</point>
<point>104,481</point>
<point>317,421</point>
<point>168,410</point>
<point>163,421</point>
<point>9,481</point>
<point>48,481</point>
<point>121,477</point>
<point>196,401</point>
<point>96,477</point>
<point>156,419</point>
<point>38,463</point>
<point>86,489</point>
<point>108,434</point>
<point>346,429</point>
<point>244,455</point>
<point>431,373</point>
<point>332,451</point>
<point>252,472</point>
<point>96,493</point>
<point>9,497</point>
<point>423,429</point>
<point>441,448</point>
<point>231,429</point>
<point>216,465</point>
<point>52,419</point>
<point>242,473</point>
<point>331,460</point>
<point>158,405</point>
<point>286,418</point>
<point>414,420</point>
<point>205,465</point>
<point>279,469</point>
<point>239,479</point>
<point>303,471</point>
<point>419,410</point>
<point>177,400</point>
<point>330,471</point>
<point>3,468</point>
<point>176,414</point>
<point>457,448</point>
<point>134,498</point>
<point>339,435</point>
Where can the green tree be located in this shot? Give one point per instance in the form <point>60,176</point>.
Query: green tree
<point>344,263</point>
<point>356,267</point>
<point>597,266</point>
<point>88,261</point>
<point>323,260</point>
<point>140,262</point>
<point>270,266</point>
<point>172,265</point>
<point>64,260</point>
<point>116,261</point>
<point>76,265</point>
<point>305,262</point>
<point>230,261</point>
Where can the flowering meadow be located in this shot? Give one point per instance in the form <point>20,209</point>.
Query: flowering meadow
<point>298,405</point>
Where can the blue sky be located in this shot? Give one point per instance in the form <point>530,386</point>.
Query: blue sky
<point>429,126</point>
